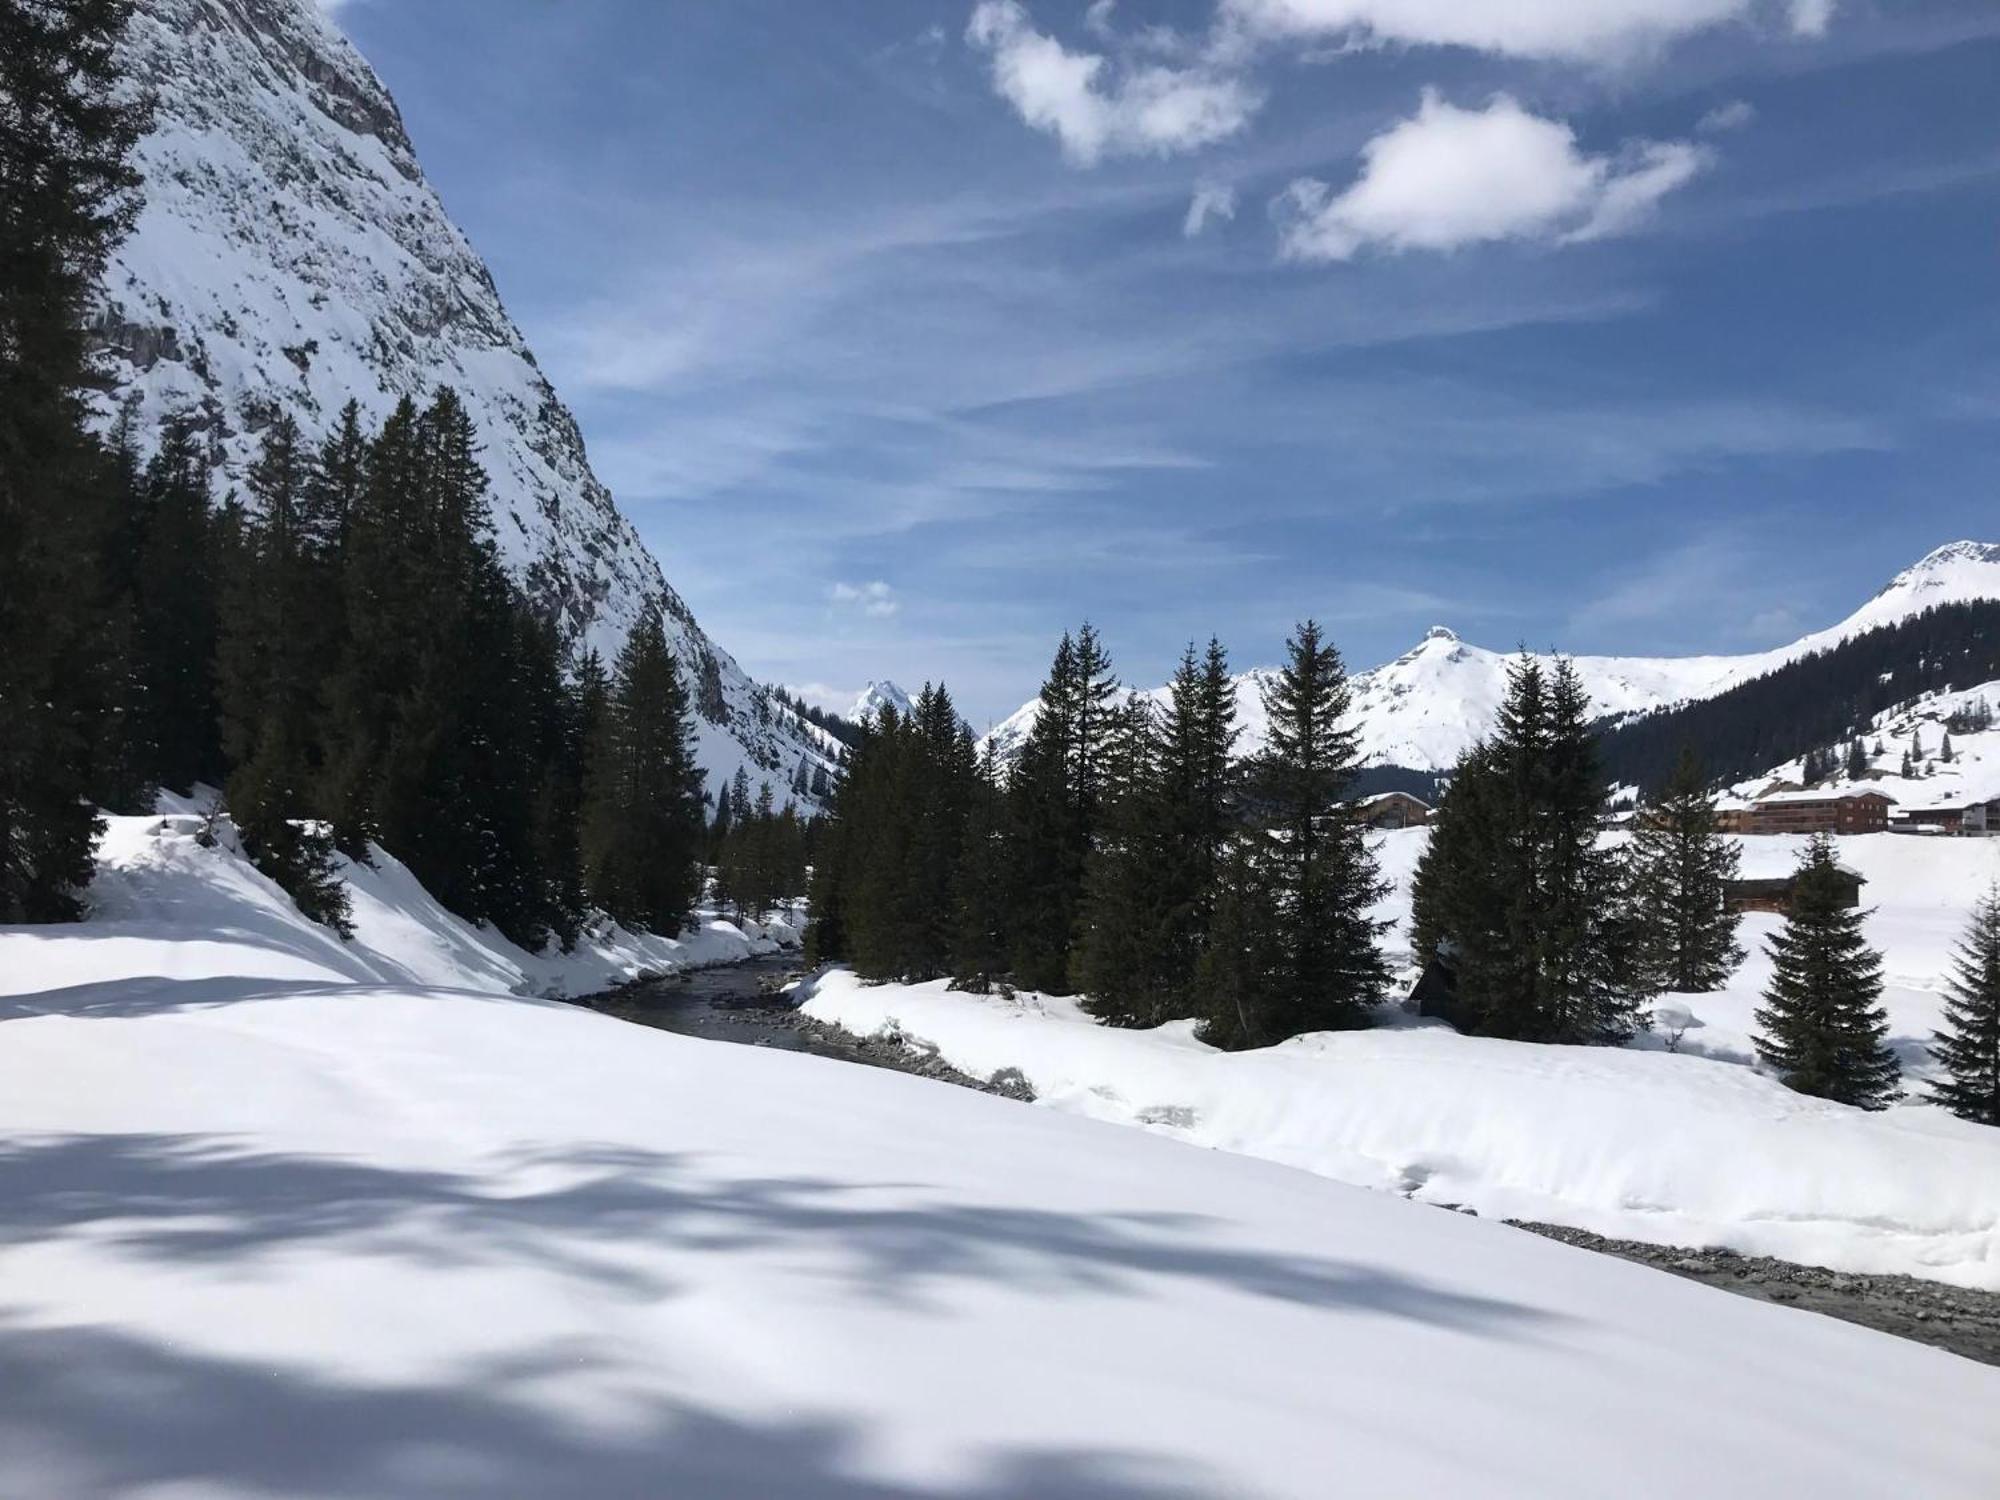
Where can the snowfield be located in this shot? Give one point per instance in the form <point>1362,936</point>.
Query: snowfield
<point>1692,1148</point>
<point>285,1219</point>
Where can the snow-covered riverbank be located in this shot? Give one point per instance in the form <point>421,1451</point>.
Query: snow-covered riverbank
<point>275,1221</point>
<point>1690,1149</point>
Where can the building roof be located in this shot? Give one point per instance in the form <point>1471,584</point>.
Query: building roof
<point>1824,794</point>
<point>1375,797</point>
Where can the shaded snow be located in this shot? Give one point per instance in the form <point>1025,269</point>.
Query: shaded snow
<point>1697,1148</point>
<point>278,1219</point>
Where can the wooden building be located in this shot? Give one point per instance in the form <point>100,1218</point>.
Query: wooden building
<point>1393,810</point>
<point>1775,895</point>
<point>1972,819</point>
<point>1820,810</point>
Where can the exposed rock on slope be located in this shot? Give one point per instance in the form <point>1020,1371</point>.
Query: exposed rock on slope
<point>291,254</point>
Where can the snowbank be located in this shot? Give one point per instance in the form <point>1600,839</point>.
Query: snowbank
<point>1695,1149</point>
<point>374,1240</point>
<point>166,908</point>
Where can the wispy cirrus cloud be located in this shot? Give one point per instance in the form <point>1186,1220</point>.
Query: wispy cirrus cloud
<point>875,599</point>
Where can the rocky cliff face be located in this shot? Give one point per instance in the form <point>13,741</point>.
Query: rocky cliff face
<point>291,254</point>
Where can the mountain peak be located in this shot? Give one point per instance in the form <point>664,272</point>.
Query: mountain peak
<point>877,696</point>
<point>1440,633</point>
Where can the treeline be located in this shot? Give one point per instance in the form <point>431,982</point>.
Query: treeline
<point>1128,855</point>
<point>760,851</point>
<point>1816,703</point>
<point>339,648</point>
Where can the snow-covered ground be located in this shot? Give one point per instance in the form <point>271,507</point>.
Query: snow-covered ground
<point>170,914</point>
<point>283,1219</point>
<point>1694,1148</point>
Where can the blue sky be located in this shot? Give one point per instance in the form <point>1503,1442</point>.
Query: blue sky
<point>911,333</point>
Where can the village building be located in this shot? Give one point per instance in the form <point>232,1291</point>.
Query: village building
<point>1775,894</point>
<point>1819,810</point>
<point>1393,810</point>
<point>1971,818</point>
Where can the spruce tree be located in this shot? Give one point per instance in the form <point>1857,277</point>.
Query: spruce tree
<point>1310,853</point>
<point>1968,1048</point>
<point>1537,920</point>
<point>1054,798</point>
<point>270,658</point>
<point>1121,936</point>
<point>643,823</point>
<point>1683,865</point>
<point>184,543</point>
<point>979,937</point>
<point>1822,1027</point>
<point>67,195</point>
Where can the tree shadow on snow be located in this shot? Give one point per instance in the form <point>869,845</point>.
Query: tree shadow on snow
<point>205,1199</point>
<point>95,1413</point>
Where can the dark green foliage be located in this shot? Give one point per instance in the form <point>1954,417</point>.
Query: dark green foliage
<point>1968,1048</point>
<point>979,926</point>
<point>1682,864</point>
<point>643,824</point>
<point>1054,798</point>
<point>1538,921</point>
<point>273,647</point>
<point>1816,701</point>
<point>761,858</point>
<point>1822,1027</point>
<point>68,697</point>
<point>1308,860</point>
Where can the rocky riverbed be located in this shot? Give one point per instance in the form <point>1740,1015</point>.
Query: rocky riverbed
<point>746,1003</point>
<point>1955,1318</point>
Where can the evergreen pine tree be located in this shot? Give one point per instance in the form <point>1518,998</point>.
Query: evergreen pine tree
<point>1822,1027</point>
<point>177,610</point>
<point>979,938</point>
<point>67,695</point>
<point>1683,864</point>
<point>643,823</point>
<point>1054,797</point>
<point>1117,958</point>
<point>1537,920</point>
<point>1312,856</point>
<point>1968,1048</point>
<point>270,656</point>
<point>1857,760</point>
<point>1944,748</point>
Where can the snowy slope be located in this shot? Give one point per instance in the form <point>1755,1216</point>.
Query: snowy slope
<point>168,913</point>
<point>1425,708</point>
<point>291,253</point>
<point>278,1227</point>
<point>1695,1148</point>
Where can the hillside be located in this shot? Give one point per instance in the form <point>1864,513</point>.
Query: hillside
<point>1425,708</point>
<point>283,1222</point>
<point>290,254</point>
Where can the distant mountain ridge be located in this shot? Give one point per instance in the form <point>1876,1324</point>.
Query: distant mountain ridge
<point>1427,707</point>
<point>290,254</point>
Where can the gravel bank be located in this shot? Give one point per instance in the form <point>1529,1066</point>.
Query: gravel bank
<point>1965,1322</point>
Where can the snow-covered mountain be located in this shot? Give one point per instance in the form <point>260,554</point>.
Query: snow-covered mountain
<point>1425,708</point>
<point>290,253</point>
<point>876,697</point>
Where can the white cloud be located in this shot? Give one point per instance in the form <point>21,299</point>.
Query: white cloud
<point>1097,108</point>
<point>1574,30</point>
<point>1211,200</point>
<point>1448,177</point>
<point>875,599</point>
<point>1734,115</point>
